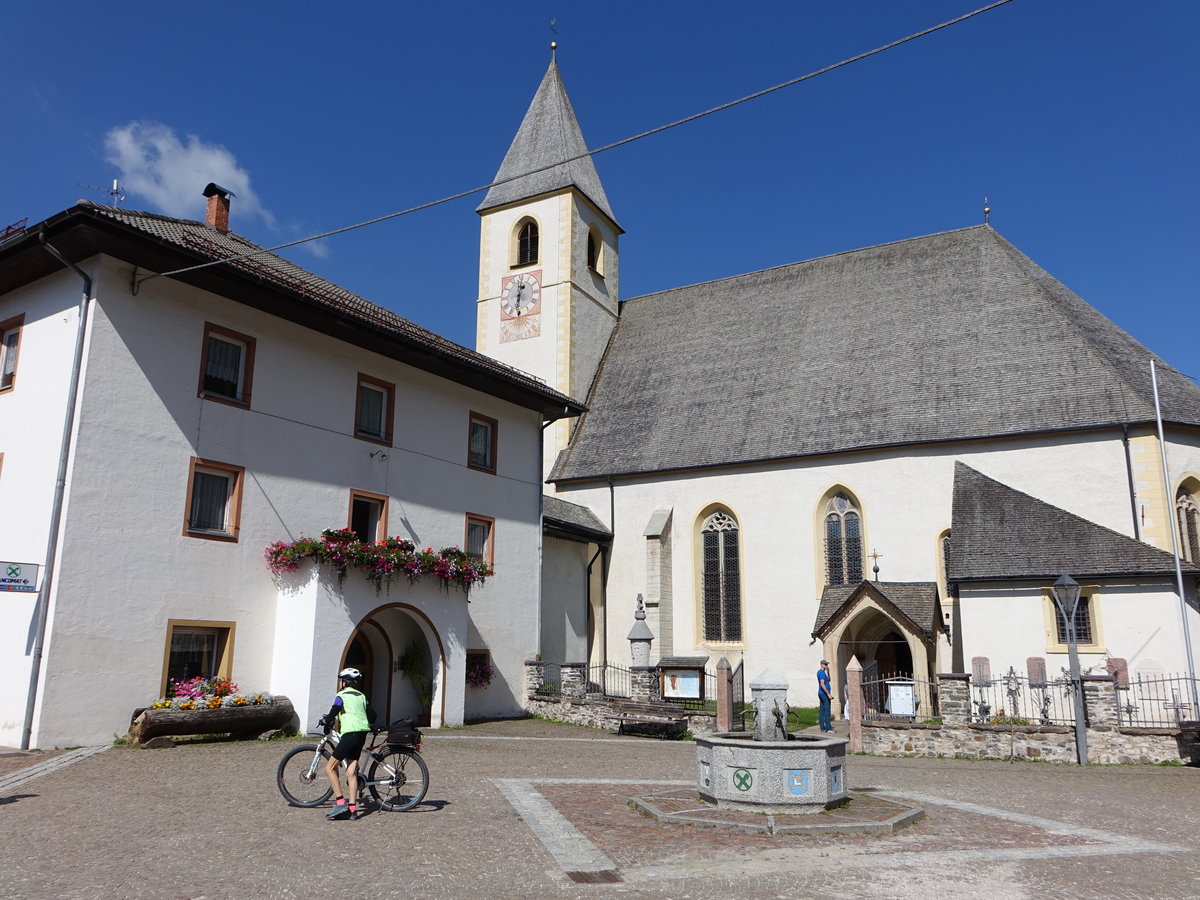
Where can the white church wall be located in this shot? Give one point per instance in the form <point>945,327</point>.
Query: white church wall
<point>1183,455</point>
<point>1135,622</point>
<point>126,567</point>
<point>537,355</point>
<point>905,497</point>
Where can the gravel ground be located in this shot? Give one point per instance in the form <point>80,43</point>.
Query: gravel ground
<point>205,820</point>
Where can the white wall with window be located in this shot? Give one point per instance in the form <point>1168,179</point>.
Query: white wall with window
<point>174,492</point>
<point>904,500</point>
<point>1135,620</point>
<point>32,408</point>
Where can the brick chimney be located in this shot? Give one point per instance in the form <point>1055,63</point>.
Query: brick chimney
<point>218,206</point>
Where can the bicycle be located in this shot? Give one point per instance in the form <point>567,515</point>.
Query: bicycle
<point>398,777</point>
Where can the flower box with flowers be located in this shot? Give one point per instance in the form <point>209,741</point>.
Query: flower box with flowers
<point>380,561</point>
<point>209,706</point>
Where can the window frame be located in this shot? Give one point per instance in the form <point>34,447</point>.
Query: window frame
<point>830,511</point>
<point>211,329</point>
<point>225,633</point>
<point>233,509</point>
<point>489,546</point>
<point>594,252</point>
<point>722,600</point>
<point>17,324</point>
<point>494,428</point>
<point>382,523</point>
<point>389,412</point>
<point>1187,522</point>
<point>530,256</point>
<point>1052,620</point>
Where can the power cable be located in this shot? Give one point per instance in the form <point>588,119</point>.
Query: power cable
<point>621,143</point>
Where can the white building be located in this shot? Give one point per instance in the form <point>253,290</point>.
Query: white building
<point>763,446</point>
<point>216,412</point>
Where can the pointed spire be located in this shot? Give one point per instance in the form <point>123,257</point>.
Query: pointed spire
<point>548,133</point>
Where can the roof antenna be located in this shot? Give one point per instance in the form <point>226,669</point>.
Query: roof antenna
<point>115,191</point>
<point>987,212</point>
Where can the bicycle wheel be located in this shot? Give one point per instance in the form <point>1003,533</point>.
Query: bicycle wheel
<point>301,776</point>
<point>399,779</point>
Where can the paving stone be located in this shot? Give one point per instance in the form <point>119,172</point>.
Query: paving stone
<point>205,820</point>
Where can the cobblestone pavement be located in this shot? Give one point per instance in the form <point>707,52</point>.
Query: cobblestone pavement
<point>519,809</point>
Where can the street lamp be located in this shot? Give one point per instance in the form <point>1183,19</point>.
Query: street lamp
<point>1066,598</point>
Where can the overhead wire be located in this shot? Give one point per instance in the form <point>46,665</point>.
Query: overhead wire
<point>620,143</point>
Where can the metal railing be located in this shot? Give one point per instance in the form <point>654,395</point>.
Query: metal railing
<point>1012,699</point>
<point>899,696</point>
<point>609,681</point>
<point>1157,702</point>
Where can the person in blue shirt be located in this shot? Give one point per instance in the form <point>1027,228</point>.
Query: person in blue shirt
<point>824,696</point>
<point>352,715</point>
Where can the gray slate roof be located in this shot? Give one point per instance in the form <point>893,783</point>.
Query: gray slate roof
<point>997,532</point>
<point>950,336</point>
<point>918,601</point>
<point>573,518</point>
<point>185,242</point>
<point>549,133</point>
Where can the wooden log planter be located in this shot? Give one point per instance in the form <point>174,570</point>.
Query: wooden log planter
<point>152,723</point>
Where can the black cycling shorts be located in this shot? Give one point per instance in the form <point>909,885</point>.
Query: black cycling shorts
<point>350,746</point>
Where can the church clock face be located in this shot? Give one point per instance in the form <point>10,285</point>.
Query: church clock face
<point>520,307</point>
<point>521,296</point>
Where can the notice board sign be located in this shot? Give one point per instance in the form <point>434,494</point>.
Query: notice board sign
<point>18,577</point>
<point>682,677</point>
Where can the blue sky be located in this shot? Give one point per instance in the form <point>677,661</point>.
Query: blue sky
<point>1076,118</point>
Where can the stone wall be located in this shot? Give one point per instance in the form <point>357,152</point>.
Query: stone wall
<point>1108,742</point>
<point>597,713</point>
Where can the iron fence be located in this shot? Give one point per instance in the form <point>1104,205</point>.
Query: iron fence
<point>899,696</point>
<point>1157,702</point>
<point>609,681</point>
<point>1013,699</point>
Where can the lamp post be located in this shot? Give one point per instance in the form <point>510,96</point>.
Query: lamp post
<point>1066,598</point>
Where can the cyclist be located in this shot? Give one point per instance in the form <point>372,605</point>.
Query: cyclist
<point>353,715</point>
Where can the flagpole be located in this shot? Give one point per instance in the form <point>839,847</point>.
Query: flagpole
<point>1162,448</point>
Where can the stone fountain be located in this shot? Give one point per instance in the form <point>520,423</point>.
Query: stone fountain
<point>770,770</point>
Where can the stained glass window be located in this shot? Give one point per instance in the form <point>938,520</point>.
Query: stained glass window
<point>721,576</point>
<point>843,542</point>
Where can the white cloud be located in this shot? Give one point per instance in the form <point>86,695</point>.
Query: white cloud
<point>171,173</point>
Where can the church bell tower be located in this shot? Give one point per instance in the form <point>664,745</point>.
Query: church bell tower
<point>548,262</point>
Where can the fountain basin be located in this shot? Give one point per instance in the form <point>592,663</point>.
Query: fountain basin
<point>806,773</point>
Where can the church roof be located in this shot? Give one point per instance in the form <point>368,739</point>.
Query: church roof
<point>157,243</point>
<point>916,601</point>
<point>945,337</point>
<point>573,519</point>
<point>549,133</point>
<point>997,532</point>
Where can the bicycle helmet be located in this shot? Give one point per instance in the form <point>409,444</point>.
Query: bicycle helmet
<point>350,675</point>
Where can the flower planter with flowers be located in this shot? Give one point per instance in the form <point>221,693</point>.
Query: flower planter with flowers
<point>380,561</point>
<point>209,706</point>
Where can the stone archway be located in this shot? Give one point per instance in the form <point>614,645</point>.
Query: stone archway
<point>884,639</point>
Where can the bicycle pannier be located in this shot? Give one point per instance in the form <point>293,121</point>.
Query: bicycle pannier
<point>403,733</point>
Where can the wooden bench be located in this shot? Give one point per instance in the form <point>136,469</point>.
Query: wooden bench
<point>649,715</point>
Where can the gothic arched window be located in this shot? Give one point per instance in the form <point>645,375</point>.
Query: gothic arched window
<point>843,542</point>
<point>527,244</point>
<point>721,578</point>
<point>1188,516</point>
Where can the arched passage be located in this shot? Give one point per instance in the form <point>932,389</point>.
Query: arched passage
<point>403,662</point>
<point>891,629</point>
